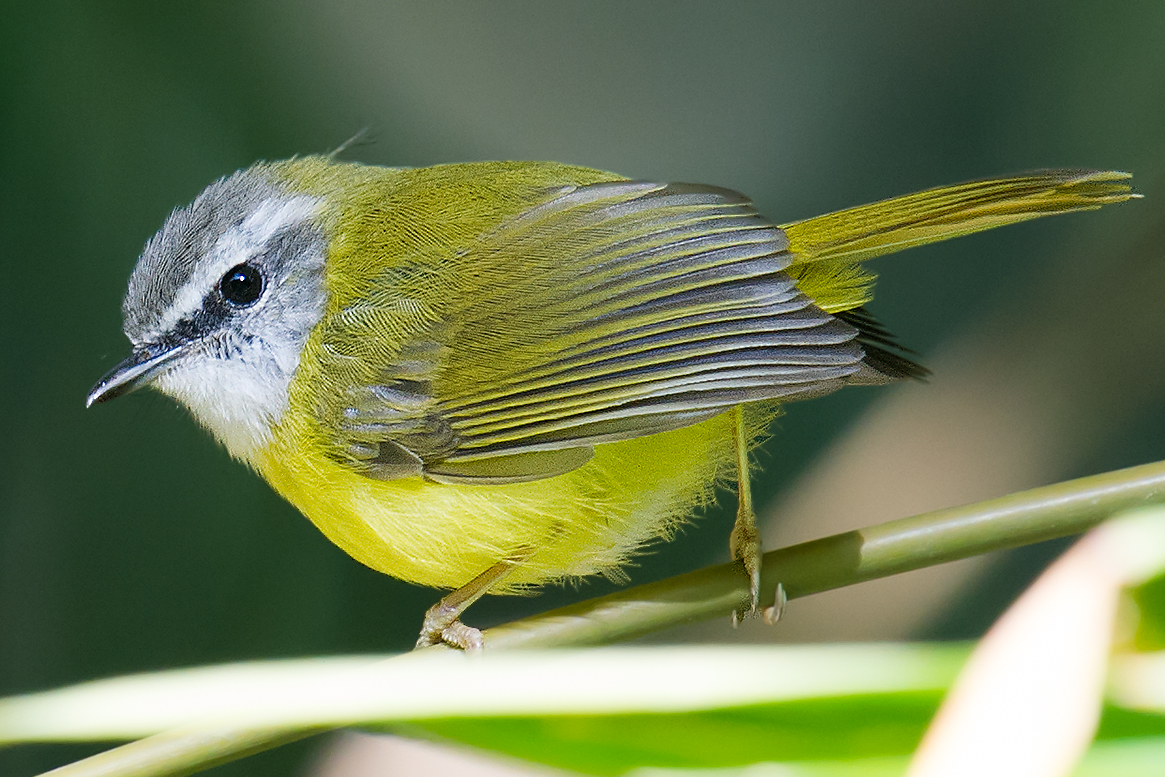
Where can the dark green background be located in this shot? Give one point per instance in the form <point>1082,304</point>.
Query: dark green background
<point>129,541</point>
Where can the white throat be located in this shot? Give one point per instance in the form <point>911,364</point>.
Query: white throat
<point>235,376</point>
<point>239,399</point>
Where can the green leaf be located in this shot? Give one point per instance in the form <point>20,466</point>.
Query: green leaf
<point>828,728</point>
<point>306,694</point>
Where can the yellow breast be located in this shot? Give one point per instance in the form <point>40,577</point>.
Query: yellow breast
<point>585,522</point>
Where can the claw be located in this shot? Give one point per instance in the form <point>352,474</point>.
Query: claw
<point>773,614</point>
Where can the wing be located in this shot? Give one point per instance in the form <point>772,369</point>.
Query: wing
<point>608,311</point>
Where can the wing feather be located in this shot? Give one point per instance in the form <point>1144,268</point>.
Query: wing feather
<point>608,311</point>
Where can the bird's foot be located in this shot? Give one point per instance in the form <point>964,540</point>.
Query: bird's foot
<point>744,542</point>
<point>746,548</point>
<point>442,627</point>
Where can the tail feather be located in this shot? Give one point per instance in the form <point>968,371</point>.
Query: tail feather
<point>830,248</point>
<point>860,233</point>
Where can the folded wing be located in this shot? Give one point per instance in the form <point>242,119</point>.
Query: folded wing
<point>609,311</point>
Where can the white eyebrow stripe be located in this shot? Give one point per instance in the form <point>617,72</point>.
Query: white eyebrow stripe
<point>237,245</point>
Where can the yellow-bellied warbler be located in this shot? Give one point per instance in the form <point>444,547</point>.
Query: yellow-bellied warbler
<point>487,376</point>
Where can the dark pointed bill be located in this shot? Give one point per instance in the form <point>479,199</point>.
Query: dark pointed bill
<point>133,373</point>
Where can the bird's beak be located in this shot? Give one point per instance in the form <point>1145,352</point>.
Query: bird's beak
<point>133,373</point>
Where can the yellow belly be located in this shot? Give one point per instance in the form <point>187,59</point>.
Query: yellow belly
<point>585,522</point>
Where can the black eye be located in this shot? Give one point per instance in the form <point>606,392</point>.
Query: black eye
<point>242,285</point>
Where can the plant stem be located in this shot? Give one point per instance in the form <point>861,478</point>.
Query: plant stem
<point>1058,510</point>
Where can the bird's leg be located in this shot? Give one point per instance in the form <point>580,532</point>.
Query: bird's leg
<point>441,621</point>
<point>744,542</point>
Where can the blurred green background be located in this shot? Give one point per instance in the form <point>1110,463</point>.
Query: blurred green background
<point>129,541</point>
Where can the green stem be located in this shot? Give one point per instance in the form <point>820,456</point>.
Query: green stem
<point>179,752</point>
<point>1059,510</point>
<point>924,540</point>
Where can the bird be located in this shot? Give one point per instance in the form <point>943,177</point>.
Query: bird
<point>491,376</point>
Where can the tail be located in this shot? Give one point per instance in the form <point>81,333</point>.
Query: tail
<point>830,248</point>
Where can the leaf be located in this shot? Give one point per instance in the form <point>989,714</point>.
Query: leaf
<point>291,695</point>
